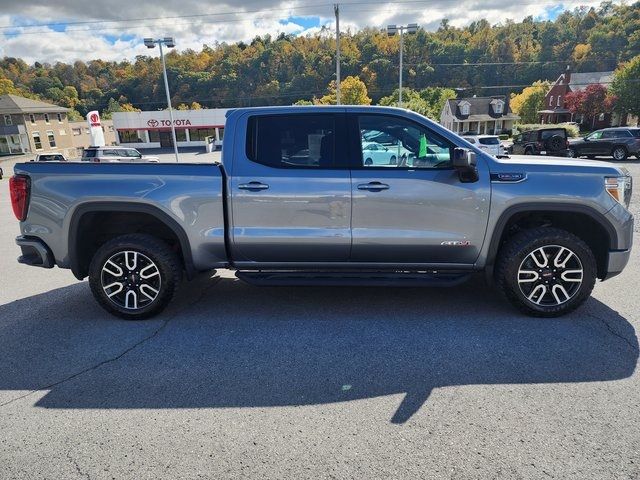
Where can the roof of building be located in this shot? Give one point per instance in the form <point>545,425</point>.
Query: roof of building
<point>15,104</point>
<point>481,109</point>
<point>580,81</point>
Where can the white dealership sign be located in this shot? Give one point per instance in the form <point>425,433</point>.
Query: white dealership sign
<point>95,129</point>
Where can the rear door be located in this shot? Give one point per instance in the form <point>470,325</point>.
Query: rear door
<point>290,189</point>
<point>417,211</point>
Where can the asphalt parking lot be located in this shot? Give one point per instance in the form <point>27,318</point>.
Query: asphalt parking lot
<point>236,381</point>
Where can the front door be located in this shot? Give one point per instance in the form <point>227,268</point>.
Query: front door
<point>166,139</point>
<point>418,210</point>
<point>290,190</point>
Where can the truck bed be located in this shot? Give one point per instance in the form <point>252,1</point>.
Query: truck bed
<point>189,196</point>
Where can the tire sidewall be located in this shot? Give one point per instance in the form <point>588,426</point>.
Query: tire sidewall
<point>158,252</point>
<point>577,247</point>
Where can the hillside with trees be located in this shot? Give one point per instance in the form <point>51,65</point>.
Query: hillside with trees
<point>480,59</point>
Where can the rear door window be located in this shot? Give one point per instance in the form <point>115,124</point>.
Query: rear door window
<point>293,141</point>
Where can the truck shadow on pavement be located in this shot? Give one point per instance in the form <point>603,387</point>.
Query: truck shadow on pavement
<point>226,344</point>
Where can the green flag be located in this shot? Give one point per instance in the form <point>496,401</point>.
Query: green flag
<point>422,152</point>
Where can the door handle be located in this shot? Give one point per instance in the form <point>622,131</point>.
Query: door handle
<point>253,186</point>
<point>373,186</point>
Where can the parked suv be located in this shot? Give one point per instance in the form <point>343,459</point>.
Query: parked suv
<point>544,141</point>
<point>618,143</point>
<point>487,143</point>
<point>115,154</point>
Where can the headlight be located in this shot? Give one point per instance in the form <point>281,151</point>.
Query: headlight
<point>619,188</point>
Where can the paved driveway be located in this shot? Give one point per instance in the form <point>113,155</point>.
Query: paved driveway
<point>235,381</point>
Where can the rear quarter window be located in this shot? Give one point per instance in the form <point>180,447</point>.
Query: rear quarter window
<point>550,133</point>
<point>292,141</point>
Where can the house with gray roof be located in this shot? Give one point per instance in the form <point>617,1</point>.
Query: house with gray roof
<point>32,126</point>
<point>555,107</point>
<point>478,115</point>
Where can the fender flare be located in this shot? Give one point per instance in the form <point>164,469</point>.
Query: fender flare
<point>504,218</point>
<point>158,214</point>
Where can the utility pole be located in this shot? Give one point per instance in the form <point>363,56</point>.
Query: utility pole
<point>336,9</point>
<point>166,89</point>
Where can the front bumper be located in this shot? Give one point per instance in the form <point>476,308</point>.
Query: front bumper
<point>616,261</point>
<point>34,252</point>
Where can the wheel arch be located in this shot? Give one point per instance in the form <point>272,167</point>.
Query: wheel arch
<point>87,214</point>
<point>583,221</point>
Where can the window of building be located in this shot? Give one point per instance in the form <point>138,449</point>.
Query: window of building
<point>46,118</point>
<point>389,141</point>
<point>36,140</point>
<point>551,101</point>
<point>32,119</point>
<point>52,139</point>
<point>130,136</point>
<point>200,134</point>
<point>59,115</point>
<point>559,100</point>
<point>498,106</point>
<point>154,135</point>
<point>7,120</point>
<point>292,141</point>
<point>181,135</point>
<point>465,108</point>
<point>76,131</point>
<point>221,133</point>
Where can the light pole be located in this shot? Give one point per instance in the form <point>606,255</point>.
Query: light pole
<point>391,31</point>
<point>170,43</point>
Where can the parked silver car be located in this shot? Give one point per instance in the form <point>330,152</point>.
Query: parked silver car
<point>116,154</point>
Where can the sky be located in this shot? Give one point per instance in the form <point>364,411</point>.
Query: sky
<point>69,30</point>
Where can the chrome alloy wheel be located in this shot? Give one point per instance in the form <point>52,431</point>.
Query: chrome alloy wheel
<point>550,275</point>
<point>131,280</point>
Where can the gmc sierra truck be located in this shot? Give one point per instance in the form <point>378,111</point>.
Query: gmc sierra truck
<point>294,202</point>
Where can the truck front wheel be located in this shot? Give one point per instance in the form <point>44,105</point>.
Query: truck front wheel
<point>546,272</point>
<point>134,276</point>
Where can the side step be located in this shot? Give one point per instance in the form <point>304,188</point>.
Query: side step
<point>338,279</point>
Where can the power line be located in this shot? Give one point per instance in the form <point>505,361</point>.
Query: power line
<point>234,13</point>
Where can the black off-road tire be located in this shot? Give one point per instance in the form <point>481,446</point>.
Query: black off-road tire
<point>154,250</point>
<point>512,255</point>
<point>554,143</point>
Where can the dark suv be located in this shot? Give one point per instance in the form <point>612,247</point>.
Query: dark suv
<point>618,143</point>
<point>544,141</point>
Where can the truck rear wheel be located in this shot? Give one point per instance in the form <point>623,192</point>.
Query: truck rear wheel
<point>134,276</point>
<point>546,272</point>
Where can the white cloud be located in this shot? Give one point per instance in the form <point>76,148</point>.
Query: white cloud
<point>206,24</point>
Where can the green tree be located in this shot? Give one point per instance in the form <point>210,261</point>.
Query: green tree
<point>530,101</point>
<point>626,87</point>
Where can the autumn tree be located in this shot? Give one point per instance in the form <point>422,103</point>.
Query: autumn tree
<point>353,91</point>
<point>527,103</point>
<point>589,102</point>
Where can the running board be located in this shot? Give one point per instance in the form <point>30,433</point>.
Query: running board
<point>338,279</point>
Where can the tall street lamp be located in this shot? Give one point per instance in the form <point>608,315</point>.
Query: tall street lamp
<point>391,31</point>
<point>169,43</point>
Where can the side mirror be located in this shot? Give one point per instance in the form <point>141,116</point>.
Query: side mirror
<point>464,161</point>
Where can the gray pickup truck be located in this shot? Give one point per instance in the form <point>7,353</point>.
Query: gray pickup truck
<point>294,202</point>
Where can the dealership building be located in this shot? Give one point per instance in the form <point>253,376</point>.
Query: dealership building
<point>153,129</point>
